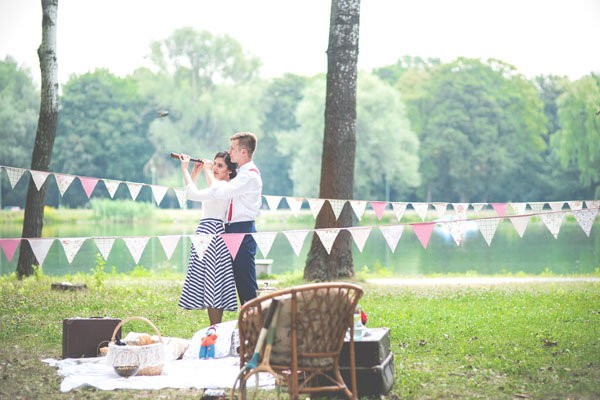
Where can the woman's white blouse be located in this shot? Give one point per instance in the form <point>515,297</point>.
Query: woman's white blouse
<point>211,208</point>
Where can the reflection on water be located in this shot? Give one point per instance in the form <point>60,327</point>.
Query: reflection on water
<point>572,253</point>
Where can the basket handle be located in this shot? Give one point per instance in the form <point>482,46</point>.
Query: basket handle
<point>146,320</point>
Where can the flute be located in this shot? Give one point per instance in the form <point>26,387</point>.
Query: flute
<point>176,156</point>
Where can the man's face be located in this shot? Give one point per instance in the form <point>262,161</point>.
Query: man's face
<point>234,151</point>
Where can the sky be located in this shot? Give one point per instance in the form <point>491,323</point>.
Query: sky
<point>558,37</point>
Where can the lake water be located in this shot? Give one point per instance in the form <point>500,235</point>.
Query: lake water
<point>572,253</point>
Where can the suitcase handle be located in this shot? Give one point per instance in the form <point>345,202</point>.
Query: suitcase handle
<point>378,368</point>
<point>131,319</point>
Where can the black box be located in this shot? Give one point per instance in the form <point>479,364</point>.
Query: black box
<point>82,337</point>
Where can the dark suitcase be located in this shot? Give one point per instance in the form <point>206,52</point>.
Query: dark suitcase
<point>83,337</point>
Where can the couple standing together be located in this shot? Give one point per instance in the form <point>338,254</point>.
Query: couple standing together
<point>231,203</point>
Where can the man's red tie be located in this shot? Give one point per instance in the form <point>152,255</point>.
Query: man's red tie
<point>230,211</point>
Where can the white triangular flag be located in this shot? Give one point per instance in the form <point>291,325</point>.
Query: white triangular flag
<point>63,182</point>
<point>488,227</point>
<point>457,231</point>
<point>553,221</point>
<point>134,189</point>
<point>200,242</point>
<point>104,245</point>
<point>272,201</point>
<point>359,207</point>
<point>136,246</point>
<point>518,208</point>
<point>586,219</point>
<point>537,207</point>
<point>40,248</point>
<point>295,204</point>
<point>39,178</point>
<point>337,206</point>
<point>520,223</point>
<point>327,237</point>
<point>399,209</point>
<point>14,175</point>
<point>71,246</point>
<point>440,209</point>
<point>159,193</point>
<point>592,204</point>
<point>556,205</point>
<point>460,210</point>
<point>111,186</point>
<point>575,205</point>
<point>421,209</point>
<point>360,236</point>
<point>296,239</point>
<point>478,206</point>
<point>169,243</point>
<point>181,197</point>
<point>264,241</point>
<point>391,235</point>
<point>315,206</point>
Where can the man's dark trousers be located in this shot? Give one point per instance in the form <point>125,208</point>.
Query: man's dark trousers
<point>244,265</point>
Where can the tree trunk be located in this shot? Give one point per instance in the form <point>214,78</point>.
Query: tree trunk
<point>339,143</point>
<point>44,139</point>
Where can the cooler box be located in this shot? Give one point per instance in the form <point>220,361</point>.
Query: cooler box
<point>82,337</point>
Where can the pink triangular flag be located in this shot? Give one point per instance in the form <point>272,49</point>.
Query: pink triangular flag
<point>9,246</point>
<point>556,205</point>
<point>181,197</point>
<point>359,207</point>
<point>104,245</point>
<point>159,193</point>
<point>233,242</point>
<point>71,247</point>
<point>89,184</point>
<point>134,189</point>
<point>460,210</point>
<point>315,206</point>
<point>296,239</point>
<point>264,241</point>
<point>40,248</point>
<point>327,237</point>
<point>337,206</point>
<point>14,175</point>
<point>586,219</point>
<point>575,205</point>
<point>421,209</point>
<point>136,246</point>
<point>553,221</point>
<point>111,186</point>
<point>392,235</point>
<point>200,242</point>
<point>169,243</point>
<point>39,178</point>
<point>423,232</point>
<point>360,236</point>
<point>488,227</point>
<point>63,181</point>
<point>399,209</point>
<point>520,223</point>
<point>500,208</point>
<point>379,208</point>
<point>295,204</point>
<point>440,209</point>
<point>518,208</point>
<point>272,201</point>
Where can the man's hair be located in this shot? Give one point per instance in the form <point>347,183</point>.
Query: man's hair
<point>246,140</point>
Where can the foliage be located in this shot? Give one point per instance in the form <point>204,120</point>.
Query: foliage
<point>121,210</point>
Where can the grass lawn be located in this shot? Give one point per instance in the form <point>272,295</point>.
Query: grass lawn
<point>536,341</point>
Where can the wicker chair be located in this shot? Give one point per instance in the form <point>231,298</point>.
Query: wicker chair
<point>313,321</point>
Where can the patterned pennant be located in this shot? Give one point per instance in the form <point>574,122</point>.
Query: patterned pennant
<point>296,239</point>
<point>575,205</point>
<point>134,189</point>
<point>460,210</point>
<point>71,247</point>
<point>272,201</point>
<point>457,231</point>
<point>233,242</point>
<point>488,227</point>
<point>169,243</point>
<point>264,241</point>
<point>327,237</point>
<point>379,208</point>
<point>201,241</point>
<point>556,205</point>
<point>440,209</point>
<point>9,246</point>
<point>520,223</point>
<point>500,209</point>
<point>337,206</point>
<point>586,219</point>
<point>14,175</point>
<point>592,204</point>
<point>89,184</point>
<point>159,193</point>
<point>553,221</point>
<point>104,245</point>
<point>295,204</point>
<point>39,178</point>
<point>359,207</point>
<point>399,210</point>
<point>136,246</point>
<point>478,206</point>
<point>421,209</point>
<point>360,236</point>
<point>537,207</point>
<point>111,186</point>
<point>392,235</point>
<point>315,206</point>
<point>181,197</point>
<point>518,208</point>
<point>63,182</point>
<point>40,248</point>
<point>423,232</point>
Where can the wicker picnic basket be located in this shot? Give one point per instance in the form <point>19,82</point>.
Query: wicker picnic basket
<point>150,357</point>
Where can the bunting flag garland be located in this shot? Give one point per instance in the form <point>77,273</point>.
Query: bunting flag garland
<point>233,242</point>
<point>264,241</point>
<point>460,210</point>
<point>9,246</point>
<point>392,235</point>
<point>399,210</point>
<point>379,208</point>
<point>273,201</point>
<point>423,232</point>
<point>104,245</point>
<point>134,189</point>
<point>440,209</point>
<point>39,178</point>
<point>111,186</point>
<point>359,207</point>
<point>337,206</point>
<point>586,219</point>
<point>488,227</point>
<point>537,207</point>
<point>518,208</point>
<point>478,206</point>
<point>457,231</point>
<point>136,246</point>
<point>181,197</point>
<point>158,192</point>
<point>315,206</point>
<point>360,236</point>
<point>296,239</point>
<point>63,182</point>
<point>71,247</point>
<point>575,205</point>
<point>500,209</point>
<point>295,204</point>
<point>327,237</point>
<point>553,221</point>
<point>592,204</point>
<point>520,223</point>
<point>14,175</point>
<point>556,205</point>
<point>421,209</point>
<point>88,184</point>
<point>169,243</point>
<point>201,241</point>
<point>40,248</point>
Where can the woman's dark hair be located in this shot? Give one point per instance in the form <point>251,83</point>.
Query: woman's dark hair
<point>231,166</point>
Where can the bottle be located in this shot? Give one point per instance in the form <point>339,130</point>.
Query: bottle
<point>359,328</point>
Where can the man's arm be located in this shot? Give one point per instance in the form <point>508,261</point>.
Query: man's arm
<point>237,186</point>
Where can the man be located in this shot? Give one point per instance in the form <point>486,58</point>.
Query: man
<point>245,192</point>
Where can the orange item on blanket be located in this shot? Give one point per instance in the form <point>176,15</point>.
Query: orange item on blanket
<point>209,339</point>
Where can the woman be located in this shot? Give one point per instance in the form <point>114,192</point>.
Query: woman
<point>209,283</point>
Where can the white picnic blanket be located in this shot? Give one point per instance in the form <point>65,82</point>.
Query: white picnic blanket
<point>198,374</point>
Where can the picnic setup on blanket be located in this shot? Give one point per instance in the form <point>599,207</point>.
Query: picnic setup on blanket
<point>300,340</point>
